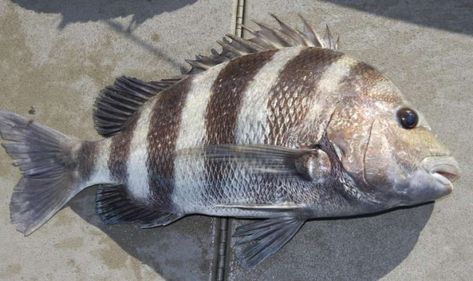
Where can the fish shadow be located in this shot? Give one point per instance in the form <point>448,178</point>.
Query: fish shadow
<point>357,248</point>
<point>360,248</point>
<point>180,251</point>
<point>454,15</point>
<point>74,11</point>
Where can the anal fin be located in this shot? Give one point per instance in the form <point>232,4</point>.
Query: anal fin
<point>114,205</point>
<point>258,240</point>
<point>162,220</point>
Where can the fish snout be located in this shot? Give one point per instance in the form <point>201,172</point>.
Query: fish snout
<point>444,169</point>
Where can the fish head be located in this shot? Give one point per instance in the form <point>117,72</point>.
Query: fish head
<point>389,148</point>
<point>404,162</point>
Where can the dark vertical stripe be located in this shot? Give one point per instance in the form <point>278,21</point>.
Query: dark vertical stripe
<point>162,136</point>
<point>120,150</point>
<point>222,112</point>
<point>86,159</point>
<point>365,73</point>
<point>227,95</point>
<point>363,78</point>
<point>291,95</point>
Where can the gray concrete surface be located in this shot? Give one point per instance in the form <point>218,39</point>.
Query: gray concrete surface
<point>56,55</point>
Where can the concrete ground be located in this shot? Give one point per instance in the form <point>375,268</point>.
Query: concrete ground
<point>56,55</point>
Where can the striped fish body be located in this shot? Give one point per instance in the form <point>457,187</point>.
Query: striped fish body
<point>265,98</point>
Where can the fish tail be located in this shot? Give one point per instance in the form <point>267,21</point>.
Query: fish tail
<point>50,163</point>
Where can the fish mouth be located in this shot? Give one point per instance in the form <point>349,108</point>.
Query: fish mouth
<point>444,169</point>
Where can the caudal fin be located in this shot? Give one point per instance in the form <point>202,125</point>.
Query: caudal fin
<point>45,158</point>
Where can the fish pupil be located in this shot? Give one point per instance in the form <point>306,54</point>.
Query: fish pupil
<point>408,118</point>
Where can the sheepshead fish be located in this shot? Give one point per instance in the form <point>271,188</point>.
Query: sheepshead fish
<point>281,127</point>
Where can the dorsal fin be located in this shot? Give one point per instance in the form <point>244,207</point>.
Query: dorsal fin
<point>118,102</point>
<point>266,38</point>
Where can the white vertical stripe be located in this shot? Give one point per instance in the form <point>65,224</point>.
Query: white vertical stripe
<point>252,120</point>
<point>192,126</point>
<point>334,74</point>
<point>137,170</point>
<point>101,173</point>
<point>327,97</point>
<point>192,132</point>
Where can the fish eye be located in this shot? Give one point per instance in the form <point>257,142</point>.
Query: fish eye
<point>408,118</point>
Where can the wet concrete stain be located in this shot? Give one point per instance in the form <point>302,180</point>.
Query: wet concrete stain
<point>32,110</point>
<point>73,265</point>
<point>11,271</point>
<point>24,81</point>
<point>70,243</point>
<point>111,256</point>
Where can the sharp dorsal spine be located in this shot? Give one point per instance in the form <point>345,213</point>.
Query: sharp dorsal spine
<point>266,38</point>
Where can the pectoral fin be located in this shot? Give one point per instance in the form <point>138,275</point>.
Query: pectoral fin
<point>258,240</point>
<point>309,164</point>
<point>266,207</point>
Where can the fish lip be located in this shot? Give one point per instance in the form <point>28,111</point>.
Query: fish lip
<point>443,168</point>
